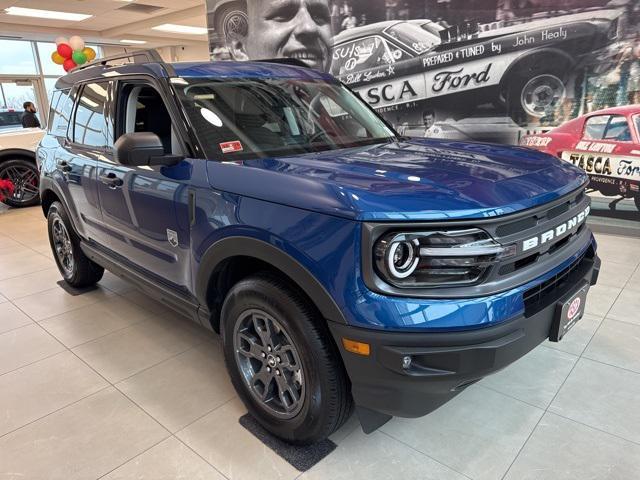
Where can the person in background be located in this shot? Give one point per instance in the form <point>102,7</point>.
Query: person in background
<point>429,121</point>
<point>350,20</point>
<point>299,29</point>
<point>29,119</point>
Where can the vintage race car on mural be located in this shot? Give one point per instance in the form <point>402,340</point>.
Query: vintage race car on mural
<point>523,68</point>
<point>605,144</point>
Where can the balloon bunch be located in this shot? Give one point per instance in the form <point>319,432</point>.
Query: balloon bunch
<point>72,52</point>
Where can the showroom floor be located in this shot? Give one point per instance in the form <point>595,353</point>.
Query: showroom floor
<point>110,384</point>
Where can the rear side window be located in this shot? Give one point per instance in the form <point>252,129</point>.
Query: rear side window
<point>595,127</point>
<point>607,127</point>
<point>90,126</point>
<point>61,106</point>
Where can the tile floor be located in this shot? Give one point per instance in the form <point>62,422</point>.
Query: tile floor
<point>111,385</point>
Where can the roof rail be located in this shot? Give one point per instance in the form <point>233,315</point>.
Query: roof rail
<point>139,56</point>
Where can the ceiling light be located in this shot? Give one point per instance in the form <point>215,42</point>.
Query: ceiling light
<point>133,42</point>
<point>47,14</point>
<point>186,29</point>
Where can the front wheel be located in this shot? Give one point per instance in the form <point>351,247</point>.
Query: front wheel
<point>26,180</point>
<point>282,361</point>
<point>76,268</point>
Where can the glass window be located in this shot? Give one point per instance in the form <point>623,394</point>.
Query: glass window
<point>413,36</point>
<point>17,58</point>
<point>595,127</point>
<point>258,118</point>
<point>618,129</point>
<point>637,120</point>
<point>60,113</point>
<point>90,124</point>
<point>50,85</point>
<point>362,54</point>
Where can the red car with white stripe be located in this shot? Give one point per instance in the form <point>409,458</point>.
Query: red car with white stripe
<point>604,143</point>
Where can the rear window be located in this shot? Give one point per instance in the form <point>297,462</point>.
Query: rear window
<point>607,127</point>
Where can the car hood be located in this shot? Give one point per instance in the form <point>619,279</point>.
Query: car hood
<point>413,179</point>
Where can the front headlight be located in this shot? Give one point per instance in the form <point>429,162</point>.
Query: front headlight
<point>437,258</point>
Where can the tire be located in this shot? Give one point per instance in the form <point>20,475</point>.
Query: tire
<point>309,364</point>
<point>76,268</point>
<point>26,178</point>
<point>231,21</point>
<point>535,91</point>
<point>636,200</point>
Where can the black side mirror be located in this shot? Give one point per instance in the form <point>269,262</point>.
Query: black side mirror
<point>142,148</point>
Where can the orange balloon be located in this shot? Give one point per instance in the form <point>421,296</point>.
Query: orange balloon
<point>89,52</point>
<point>57,58</point>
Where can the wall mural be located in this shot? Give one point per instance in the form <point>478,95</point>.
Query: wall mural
<point>562,76</point>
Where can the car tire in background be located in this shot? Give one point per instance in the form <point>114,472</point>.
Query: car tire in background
<point>26,179</point>
<point>535,90</point>
<point>76,268</point>
<point>282,360</point>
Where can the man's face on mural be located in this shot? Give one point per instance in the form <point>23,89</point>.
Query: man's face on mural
<point>429,119</point>
<point>291,29</point>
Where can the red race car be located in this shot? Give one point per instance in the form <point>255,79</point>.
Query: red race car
<point>605,143</point>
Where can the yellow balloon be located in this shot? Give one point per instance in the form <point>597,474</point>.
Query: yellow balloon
<point>57,58</point>
<point>89,52</point>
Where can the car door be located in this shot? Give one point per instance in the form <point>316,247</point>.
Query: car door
<point>78,154</point>
<point>145,209</point>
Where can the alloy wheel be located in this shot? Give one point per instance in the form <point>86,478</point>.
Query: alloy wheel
<point>269,363</point>
<point>25,182</point>
<point>62,245</point>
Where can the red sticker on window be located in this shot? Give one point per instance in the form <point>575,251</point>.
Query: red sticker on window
<point>230,147</point>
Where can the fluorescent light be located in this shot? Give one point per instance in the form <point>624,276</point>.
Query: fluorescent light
<point>186,29</point>
<point>47,14</point>
<point>133,42</point>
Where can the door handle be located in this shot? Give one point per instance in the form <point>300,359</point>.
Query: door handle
<point>64,166</point>
<point>111,180</point>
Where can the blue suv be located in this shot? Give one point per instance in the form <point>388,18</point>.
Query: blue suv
<point>343,265</point>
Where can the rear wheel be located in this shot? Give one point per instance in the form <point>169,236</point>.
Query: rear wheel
<point>282,361</point>
<point>76,268</point>
<point>26,180</point>
<point>535,92</point>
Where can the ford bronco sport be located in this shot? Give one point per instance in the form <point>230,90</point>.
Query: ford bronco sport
<point>341,264</point>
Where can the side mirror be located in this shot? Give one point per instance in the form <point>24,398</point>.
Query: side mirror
<point>142,148</point>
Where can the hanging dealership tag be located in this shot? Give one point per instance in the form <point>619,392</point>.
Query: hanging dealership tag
<point>230,147</point>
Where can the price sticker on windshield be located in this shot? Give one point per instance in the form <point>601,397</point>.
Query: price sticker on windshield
<point>230,147</point>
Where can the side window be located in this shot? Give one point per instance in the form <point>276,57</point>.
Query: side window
<point>362,54</point>
<point>618,129</point>
<point>90,126</point>
<point>595,127</point>
<point>61,106</point>
<point>141,108</point>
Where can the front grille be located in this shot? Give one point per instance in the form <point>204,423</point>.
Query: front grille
<point>540,296</point>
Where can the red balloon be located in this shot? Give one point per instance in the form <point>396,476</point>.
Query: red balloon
<point>69,64</point>
<point>64,50</point>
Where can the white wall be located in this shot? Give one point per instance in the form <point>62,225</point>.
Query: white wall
<point>189,53</point>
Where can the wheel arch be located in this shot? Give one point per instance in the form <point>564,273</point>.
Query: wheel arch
<point>17,153</point>
<point>544,54</point>
<point>233,258</point>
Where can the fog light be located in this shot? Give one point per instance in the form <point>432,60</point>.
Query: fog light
<point>406,362</point>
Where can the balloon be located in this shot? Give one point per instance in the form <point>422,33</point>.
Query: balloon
<point>57,58</point>
<point>64,50</point>
<point>60,40</point>
<point>89,52</point>
<point>79,57</point>
<point>76,43</point>
<point>68,64</point>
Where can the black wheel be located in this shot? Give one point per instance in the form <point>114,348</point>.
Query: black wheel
<point>282,360</point>
<point>636,200</point>
<point>76,268</point>
<point>26,179</point>
<point>536,91</point>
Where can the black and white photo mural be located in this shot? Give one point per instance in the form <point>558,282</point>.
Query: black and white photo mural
<point>505,71</point>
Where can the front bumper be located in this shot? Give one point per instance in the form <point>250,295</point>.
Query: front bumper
<point>443,364</point>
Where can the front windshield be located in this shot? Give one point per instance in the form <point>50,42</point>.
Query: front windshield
<point>238,119</point>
